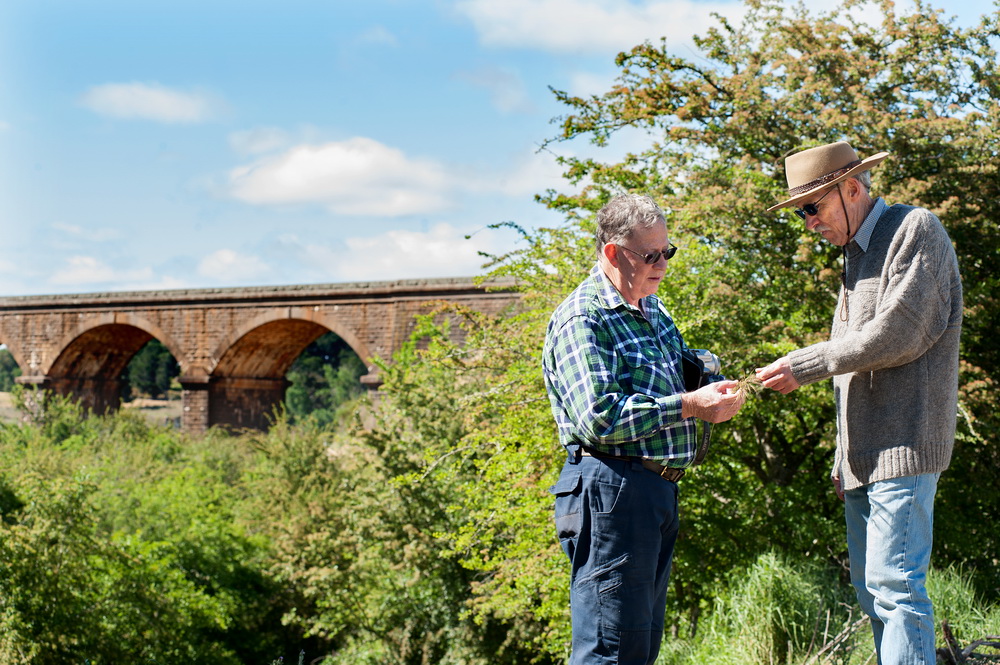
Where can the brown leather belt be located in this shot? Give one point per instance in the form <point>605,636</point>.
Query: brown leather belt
<point>669,473</point>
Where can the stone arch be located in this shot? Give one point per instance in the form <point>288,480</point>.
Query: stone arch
<point>92,360</point>
<point>248,379</point>
<point>117,319</point>
<point>307,315</point>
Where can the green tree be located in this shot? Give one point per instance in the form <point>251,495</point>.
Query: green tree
<point>120,542</point>
<point>748,285</point>
<point>151,370</point>
<point>325,376</point>
<point>8,370</point>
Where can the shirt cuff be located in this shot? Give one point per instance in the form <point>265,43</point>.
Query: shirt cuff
<point>670,410</point>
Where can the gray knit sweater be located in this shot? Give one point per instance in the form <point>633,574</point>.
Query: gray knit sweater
<point>894,361</point>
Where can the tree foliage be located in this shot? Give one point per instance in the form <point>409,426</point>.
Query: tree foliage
<point>747,284</point>
<point>151,371</point>
<point>8,370</point>
<point>325,376</point>
<point>120,542</point>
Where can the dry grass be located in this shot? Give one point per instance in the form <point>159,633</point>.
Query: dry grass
<point>749,385</point>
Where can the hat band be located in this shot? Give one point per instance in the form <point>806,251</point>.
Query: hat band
<point>822,180</point>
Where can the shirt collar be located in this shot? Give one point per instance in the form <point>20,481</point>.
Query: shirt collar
<point>864,235</point>
<point>611,298</point>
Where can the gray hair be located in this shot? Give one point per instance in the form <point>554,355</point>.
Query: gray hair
<point>865,178</point>
<point>622,215</point>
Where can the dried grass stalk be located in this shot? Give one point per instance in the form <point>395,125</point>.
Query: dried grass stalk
<point>749,384</point>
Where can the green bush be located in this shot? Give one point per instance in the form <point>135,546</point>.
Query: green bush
<point>123,542</point>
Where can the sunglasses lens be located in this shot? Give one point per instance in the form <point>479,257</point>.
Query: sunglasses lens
<point>655,256</point>
<point>808,209</point>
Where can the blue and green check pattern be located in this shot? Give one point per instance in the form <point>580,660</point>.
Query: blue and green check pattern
<point>614,377</point>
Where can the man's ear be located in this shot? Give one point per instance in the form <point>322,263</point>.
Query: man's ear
<point>610,252</point>
<point>854,188</point>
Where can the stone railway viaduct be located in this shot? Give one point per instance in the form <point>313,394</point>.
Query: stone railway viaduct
<point>233,345</point>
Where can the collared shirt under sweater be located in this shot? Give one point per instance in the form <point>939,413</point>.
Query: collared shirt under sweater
<point>894,355</point>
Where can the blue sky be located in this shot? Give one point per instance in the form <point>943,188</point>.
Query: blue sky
<point>209,143</point>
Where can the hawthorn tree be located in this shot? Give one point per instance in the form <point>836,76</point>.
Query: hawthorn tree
<point>747,284</point>
<point>753,285</point>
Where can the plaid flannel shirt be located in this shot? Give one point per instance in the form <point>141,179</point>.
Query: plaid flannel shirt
<point>614,376</point>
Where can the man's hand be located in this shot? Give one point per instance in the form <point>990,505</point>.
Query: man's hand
<point>837,487</point>
<point>778,376</point>
<point>715,403</point>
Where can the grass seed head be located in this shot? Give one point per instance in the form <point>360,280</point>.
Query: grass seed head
<point>749,384</point>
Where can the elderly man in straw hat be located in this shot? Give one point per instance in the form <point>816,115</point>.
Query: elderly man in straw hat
<point>893,356</point>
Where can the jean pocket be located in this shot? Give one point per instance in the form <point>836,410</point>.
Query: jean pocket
<point>569,481</point>
<point>606,496</point>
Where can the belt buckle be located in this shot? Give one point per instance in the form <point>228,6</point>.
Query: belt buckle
<point>672,474</point>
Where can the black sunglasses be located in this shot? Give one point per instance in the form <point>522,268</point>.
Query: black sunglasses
<point>655,256</point>
<point>810,208</point>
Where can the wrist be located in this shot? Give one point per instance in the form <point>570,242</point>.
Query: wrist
<point>687,406</point>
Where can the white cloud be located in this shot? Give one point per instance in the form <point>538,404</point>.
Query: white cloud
<point>80,270</point>
<point>316,259</point>
<point>359,176</point>
<point>4,126</point>
<point>586,84</point>
<point>259,140</point>
<point>226,265</point>
<point>442,251</point>
<point>96,235</point>
<point>506,88</point>
<point>149,101</point>
<point>598,26</point>
<point>532,172</point>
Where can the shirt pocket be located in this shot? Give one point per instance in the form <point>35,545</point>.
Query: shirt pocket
<point>647,370</point>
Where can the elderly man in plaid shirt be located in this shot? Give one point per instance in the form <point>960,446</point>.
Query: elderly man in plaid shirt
<point>612,364</point>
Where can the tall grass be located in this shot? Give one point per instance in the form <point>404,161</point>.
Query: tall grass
<point>795,612</point>
<point>956,602</point>
<point>778,611</point>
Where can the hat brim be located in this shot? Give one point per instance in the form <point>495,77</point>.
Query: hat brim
<point>863,166</point>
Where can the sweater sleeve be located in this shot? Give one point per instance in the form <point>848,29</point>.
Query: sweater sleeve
<point>912,309</point>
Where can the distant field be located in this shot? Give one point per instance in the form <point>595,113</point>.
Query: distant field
<point>157,411</point>
<point>7,412</point>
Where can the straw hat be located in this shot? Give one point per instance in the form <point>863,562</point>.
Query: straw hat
<point>817,168</point>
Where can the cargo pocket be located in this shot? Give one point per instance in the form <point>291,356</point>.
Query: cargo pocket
<point>568,517</point>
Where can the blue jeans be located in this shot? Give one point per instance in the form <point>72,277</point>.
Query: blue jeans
<point>889,536</point>
<point>617,523</point>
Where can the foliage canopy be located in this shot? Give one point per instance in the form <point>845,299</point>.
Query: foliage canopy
<point>749,285</point>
